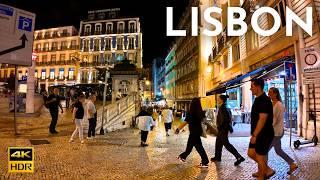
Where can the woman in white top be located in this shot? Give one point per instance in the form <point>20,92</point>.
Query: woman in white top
<point>278,110</point>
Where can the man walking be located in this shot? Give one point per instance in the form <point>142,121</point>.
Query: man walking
<point>167,115</point>
<point>53,103</point>
<point>92,116</point>
<point>262,132</point>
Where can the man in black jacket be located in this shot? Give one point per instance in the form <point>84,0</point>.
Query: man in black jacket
<point>53,102</point>
<point>224,126</point>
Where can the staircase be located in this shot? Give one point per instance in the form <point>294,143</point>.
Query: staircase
<point>119,115</point>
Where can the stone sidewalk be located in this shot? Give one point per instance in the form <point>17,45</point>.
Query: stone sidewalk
<point>117,155</point>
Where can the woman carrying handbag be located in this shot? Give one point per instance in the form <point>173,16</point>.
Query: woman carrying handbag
<point>194,118</point>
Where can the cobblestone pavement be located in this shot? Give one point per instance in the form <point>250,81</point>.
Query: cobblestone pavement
<point>117,155</point>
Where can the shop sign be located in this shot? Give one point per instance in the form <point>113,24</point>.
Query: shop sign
<point>310,59</point>
<point>290,69</point>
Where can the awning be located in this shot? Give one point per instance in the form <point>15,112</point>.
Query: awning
<point>236,82</point>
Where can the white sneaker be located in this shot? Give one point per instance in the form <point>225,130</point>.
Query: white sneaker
<point>82,141</point>
<point>89,138</point>
<point>71,140</point>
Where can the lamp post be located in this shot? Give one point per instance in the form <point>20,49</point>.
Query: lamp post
<point>104,100</point>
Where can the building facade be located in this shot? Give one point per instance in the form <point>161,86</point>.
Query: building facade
<point>192,58</point>
<point>170,77</point>
<point>276,59</point>
<point>106,38</point>
<point>55,53</point>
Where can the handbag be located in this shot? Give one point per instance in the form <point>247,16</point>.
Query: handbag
<point>204,130</point>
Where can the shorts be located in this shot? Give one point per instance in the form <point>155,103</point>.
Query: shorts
<point>167,126</point>
<point>262,145</point>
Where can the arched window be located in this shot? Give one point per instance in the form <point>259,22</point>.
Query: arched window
<point>87,29</point>
<point>120,28</point>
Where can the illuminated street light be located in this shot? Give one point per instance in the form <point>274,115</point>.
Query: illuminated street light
<point>209,69</point>
<point>147,82</point>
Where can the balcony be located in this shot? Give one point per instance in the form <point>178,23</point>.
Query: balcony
<point>47,36</point>
<point>74,47</point>
<point>97,32</point>
<point>87,33</point>
<point>38,37</point>
<point>96,48</point>
<point>55,36</point>
<point>132,30</point>
<point>85,49</point>
<point>64,34</point>
<point>248,6</point>
<point>45,49</point>
<point>63,48</point>
<point>54,48</point>
<point>214,54</point>
<point>52,63</point>
<point>221,42</point>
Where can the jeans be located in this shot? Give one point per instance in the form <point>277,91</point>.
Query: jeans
<point>144,136</point>
<point>79,128</point>
<point>54,115</point>
<point>276,143</point>
<point>92,127</point>
<point>195,140</point>
<point>222,140</point>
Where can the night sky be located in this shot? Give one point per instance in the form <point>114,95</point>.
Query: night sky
<point>152,14</point>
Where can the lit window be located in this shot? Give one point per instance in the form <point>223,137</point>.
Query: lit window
<point>51,75</point>
<point>43,74</point>
<point>61,73</point>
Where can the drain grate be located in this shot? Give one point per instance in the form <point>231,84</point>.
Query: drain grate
<point>39,141</point>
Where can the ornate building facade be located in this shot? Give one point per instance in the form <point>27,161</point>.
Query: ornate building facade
<point>106,39</point>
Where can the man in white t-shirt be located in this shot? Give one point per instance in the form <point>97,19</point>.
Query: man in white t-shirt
<point>92,116</point>
<point>167,116</point>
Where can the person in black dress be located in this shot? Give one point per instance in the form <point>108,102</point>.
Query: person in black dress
<point>194,118</point>
<point>224,126</point>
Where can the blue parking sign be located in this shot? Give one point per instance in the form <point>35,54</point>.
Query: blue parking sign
<point>25,24</point>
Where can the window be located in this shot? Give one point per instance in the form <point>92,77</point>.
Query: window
<point>96,58</point>
<point>87,29</point>
<point>108,44</point>
<point>46,46</point>
<point>120,43</point>
<point>120,57</point>
<point>252,39</point>
<point>38,47</point>
<point>131,42</point>
<point>46,35</point>
<point>61,73</point>
<point>280,8</point>
<point>36,73</point>
<point>71,73</point>
<point>20,75</point>
<point>62,57</point>
<point>64,45</point>
<point>86,44</point>
<point>121,27</point>
<point>235,52</point>
<point>64,32</point>
<point>44,58</point>
<point>109,28</point>
<point>72,56</point>
<point>55,34</point>
<point>51,75</point>
<point>132,27</point>
<point>96,45</point>
<point>54,46</point>
<point>39,36</point>
<point>53,58</point>
<point>43,74</point>
<point>98,29</point>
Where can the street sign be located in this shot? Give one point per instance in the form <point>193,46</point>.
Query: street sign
<point>16,35</point>
<point>290,69</point>
<point>310,59</point>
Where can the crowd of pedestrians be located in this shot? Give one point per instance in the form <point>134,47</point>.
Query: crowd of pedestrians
<point>267,129</point>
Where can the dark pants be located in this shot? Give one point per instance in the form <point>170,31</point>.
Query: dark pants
<point>92,127</point>
<point>195,140</point>
<point>54,116</point>
<point>144,136</point>
<point>167,126</point>
<point>67,102</point>
<point>222,140</point>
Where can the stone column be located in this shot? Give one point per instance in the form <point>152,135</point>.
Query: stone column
<point>30,89</point>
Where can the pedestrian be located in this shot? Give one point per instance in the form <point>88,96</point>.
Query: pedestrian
<point>183,116</point>
<point>194,118</point>
<point>278,110</point>
<point>68,97</point>
<point>53,104</point>
<point>77,116</point>
<point>167,116</point>
<point>144,122</point>
<point>262,132</point>
<point>92,116</point>
<point>224,126</point>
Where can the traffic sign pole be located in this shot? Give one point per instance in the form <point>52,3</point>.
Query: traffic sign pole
<point>15,99</point>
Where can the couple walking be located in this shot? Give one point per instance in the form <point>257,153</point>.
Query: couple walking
<point>78,113</point>
<point>194,118</point>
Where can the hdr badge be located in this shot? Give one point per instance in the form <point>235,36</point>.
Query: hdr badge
<point>21,159</point>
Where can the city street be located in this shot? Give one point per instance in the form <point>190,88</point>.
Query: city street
<point>117,155</point>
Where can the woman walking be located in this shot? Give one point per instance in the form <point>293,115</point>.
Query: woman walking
<point>78,113</point>
<point>194,118</point>
<point>278,110</point>
<point>224,126</point>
